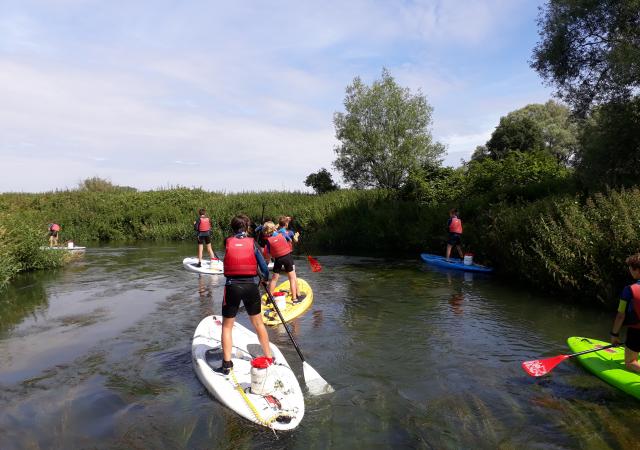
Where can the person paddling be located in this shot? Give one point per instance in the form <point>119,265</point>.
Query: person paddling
<point>54,229</point>
<point>280,248</point>
<point>629,316</point>
<point>454,225</point>
<point>243,265</point>
<point>202,227</point>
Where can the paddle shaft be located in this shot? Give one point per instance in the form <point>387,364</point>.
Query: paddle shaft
<point>592,350</point>
<point>286,327</point>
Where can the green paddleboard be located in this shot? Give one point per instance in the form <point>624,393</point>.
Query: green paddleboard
<point>607,364</point>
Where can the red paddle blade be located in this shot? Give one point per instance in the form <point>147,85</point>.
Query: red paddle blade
<point>315,265</point>
<point>540,367</point>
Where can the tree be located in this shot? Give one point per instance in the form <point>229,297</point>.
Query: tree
<point>97,184</point>
<point>610,141</point>
<point>321,181</point>
<point>589,50</point>
<point>383,134</point>
<point>545,127</point>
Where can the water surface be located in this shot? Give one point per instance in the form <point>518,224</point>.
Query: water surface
<point>98,354</point>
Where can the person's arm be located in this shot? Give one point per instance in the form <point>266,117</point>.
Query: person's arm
<point>617,322</point>
<point>262,265</point>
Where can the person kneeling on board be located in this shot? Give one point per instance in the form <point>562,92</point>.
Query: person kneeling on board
<point>243,265</point>
<point>629,316</point>
<point>280,248</point>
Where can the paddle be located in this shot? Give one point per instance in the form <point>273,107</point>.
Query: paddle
<point>540,367</point>
<point>315,383</point>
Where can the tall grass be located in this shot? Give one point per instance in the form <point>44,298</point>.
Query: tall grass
<point>561,244</point>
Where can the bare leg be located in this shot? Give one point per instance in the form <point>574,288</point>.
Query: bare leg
<point>210,250</point>
<point>293,284</point>
<point>631,360</point>
<point>261,331</point>
<point>227,341</point>
<point>199,252</point>
<point>448,251</point>
<point>272,283</point>
<point>460,251</point>
<point>50,241</point>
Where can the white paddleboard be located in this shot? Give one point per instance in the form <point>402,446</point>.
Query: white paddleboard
<point>216,268</point>
<point>68,249</point>
<point>282,409</point>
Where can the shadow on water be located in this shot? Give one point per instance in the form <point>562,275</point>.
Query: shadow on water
<point>419,358</point>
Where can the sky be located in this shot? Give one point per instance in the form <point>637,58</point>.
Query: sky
<point>240,96</point>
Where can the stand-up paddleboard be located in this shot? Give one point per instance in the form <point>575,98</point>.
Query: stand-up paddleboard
<point>73,249</point>
<point>607,364</point>
<point>191,264</point>
<point>281,409</point>
<point>453,263</point>
<point>291,311</point>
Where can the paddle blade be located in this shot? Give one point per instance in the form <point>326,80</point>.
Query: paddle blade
<point>315,383</point>
<point>540,367</point>
<point>315,265</point>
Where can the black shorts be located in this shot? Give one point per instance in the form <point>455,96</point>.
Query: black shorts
<point>454,239</point>
<point>205,239</point>
<point>53,233</point>
<point>284,262</point>
<point>633,339</point>
<point>248,293</point>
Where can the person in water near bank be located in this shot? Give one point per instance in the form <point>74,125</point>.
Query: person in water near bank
<point>280,248</point>
<point>629,316</point>
<point>54,229</point>
<point>243,265</point>
<point>454,226</point>
<point>202,227</point>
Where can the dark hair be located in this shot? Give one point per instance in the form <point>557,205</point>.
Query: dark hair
<point>633,261</point>
<point>240,223</point>
<point>202,211</point>
<point>453,211</point>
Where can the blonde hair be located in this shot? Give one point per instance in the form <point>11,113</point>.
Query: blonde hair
<point>268,228</point>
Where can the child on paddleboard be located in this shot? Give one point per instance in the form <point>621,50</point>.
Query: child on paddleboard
<point>243,267</point>
<point>629,316</point>
<point>454,226</point>
<point>202,227</point>
<point>280,248</point>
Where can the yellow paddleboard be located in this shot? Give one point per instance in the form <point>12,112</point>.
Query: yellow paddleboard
<point>269,314</point>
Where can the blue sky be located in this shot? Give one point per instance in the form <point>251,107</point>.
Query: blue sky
<point>236,96</point>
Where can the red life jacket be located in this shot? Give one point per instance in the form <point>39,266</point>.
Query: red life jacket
<point>279,246</point>
<point>635,306</point>
<point>455,226</point>
<point>240,259</point>
<point>55,227</point>
<point>204,225</point>
<point>265,254</point>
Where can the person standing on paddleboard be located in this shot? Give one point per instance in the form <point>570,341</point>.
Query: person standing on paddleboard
<point>629,316</point>
<point>454,226</point>
<point>243,267</point>
<point>54,229</point>
<point>279,244</point>
<point>202,226</point>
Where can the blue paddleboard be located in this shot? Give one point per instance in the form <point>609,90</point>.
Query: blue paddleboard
<point>453,263</point>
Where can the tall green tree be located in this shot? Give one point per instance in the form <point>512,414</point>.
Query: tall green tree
<point>548,127</point>
<point>384,133</point>
<point>321,181</point>
<point>589,50</point>
<point>610,142</point>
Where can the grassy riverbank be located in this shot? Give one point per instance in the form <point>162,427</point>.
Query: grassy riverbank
<point>560,244</point>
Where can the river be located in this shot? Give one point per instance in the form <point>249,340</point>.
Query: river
<point>98,355</point>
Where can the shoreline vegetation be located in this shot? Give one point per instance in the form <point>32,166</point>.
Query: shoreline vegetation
<point>557,243</point>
